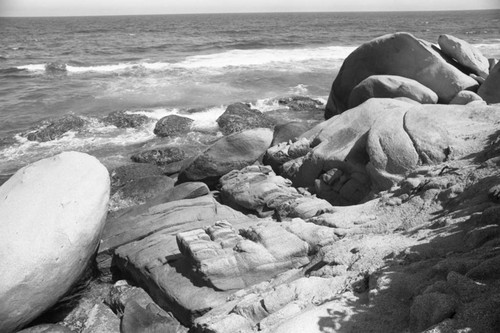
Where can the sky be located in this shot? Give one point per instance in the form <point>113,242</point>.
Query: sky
<point>131,7</point>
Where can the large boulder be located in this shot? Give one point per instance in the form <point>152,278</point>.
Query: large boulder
<point>489,89</point>
<point>173,125</point>
<point>373,146</point>
<point>55,129</point>
<point>53,212</point>
<point>232,152</point>
<point>397,54</point>
<point>239,117</point>
<point>465,54</point>
<point>391,86</point>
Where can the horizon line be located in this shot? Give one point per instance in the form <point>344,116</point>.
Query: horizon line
<point>257,12</point>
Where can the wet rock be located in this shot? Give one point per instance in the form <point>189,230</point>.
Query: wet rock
<point>125,174</point>
<point>173,125</point>
<point>397,54</point>
<point>55,129</point>
<point>123,119</point>
<point>299,103</point>
<point>232,152</point>
<point>489,89</point>
<point>138,191</point>
<point>68,196</point>
<point>465,54</point>
<point>487,270</point>
<point>160,156</point>
<point>390,86</point>
<point>465,97</point>
<point>239,117</point>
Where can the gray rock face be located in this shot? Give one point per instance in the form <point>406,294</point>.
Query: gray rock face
<point>489,89</point>
<point>465,54</point>
<point>239,117</point>
<point>391,86</point>
<point>232,152</point>
<point>298,103</point>
<point>289,131</point>
<point>231,260</point>
<point>465,97</point>
<point>68,196</point>
<point>371,147</point>
<point>57,128</point>
<point>125,174</point>
<point>396,54</point>
<point>122,119</point>
<point>257,188</point>
<point>160,156</point>
<point>173,125</point>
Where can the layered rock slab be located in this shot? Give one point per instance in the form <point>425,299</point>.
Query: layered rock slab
<point>257,188</point>
<point>397,54</point>
<point>53,212</point>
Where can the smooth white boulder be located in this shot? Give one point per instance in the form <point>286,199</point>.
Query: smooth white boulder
<point>52,213</point>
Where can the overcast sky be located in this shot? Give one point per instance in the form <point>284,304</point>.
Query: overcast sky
<point>129,7</point>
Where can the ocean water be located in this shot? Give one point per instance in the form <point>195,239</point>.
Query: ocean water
<point>172,64</point>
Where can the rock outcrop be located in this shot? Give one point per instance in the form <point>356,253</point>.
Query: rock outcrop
<point>53,212</point>
<point>390,86</point>
<point>57,128</point>
<point>239,117</point>
<point>397,54</point>
<point>465,54</point>
<point>232,152</point>
<point>160,156</point>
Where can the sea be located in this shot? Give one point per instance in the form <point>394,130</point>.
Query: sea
<point>191,65</point>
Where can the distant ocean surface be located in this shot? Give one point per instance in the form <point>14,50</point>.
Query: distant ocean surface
<point>168,64</point>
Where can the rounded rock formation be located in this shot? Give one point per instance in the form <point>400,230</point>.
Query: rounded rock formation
<point>53,212</point>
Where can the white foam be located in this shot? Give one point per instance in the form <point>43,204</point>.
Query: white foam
<point>33,67</point>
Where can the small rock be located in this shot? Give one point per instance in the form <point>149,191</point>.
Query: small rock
<point>57,128</point>
<point>123,119</point>
<point>494,194</point>
<point>239,117</point>
<point>101,319</point>
<point>465,97</point>
<point>299,103</point>
<point>173,125</point>
<point>160,156</point>
<point>125,174</point>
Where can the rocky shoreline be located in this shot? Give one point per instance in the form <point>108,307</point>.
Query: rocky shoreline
<point>382,218</point>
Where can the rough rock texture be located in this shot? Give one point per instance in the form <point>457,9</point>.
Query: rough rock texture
<point>489,89</point>
<point>397,54</point>
<point>172,125</point>
<point>390,86</point>
<point>139,191</point>
<point>46,328</point>
<point>230,260</point>
<point>125,174</point>
<point>55,129</point>
<point>160,156</point>
<point>146,249</point>
<point>149,319</point>
<point>258,189</point>
<point>239,117</point>
<point>63,198</point>
<point>372,147</point>
<point>297,103</point>
<point>232,152</point>
<point>101,319</point>
<point>465,97</point>
<point>123,119</point>
<point>465,54</point>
